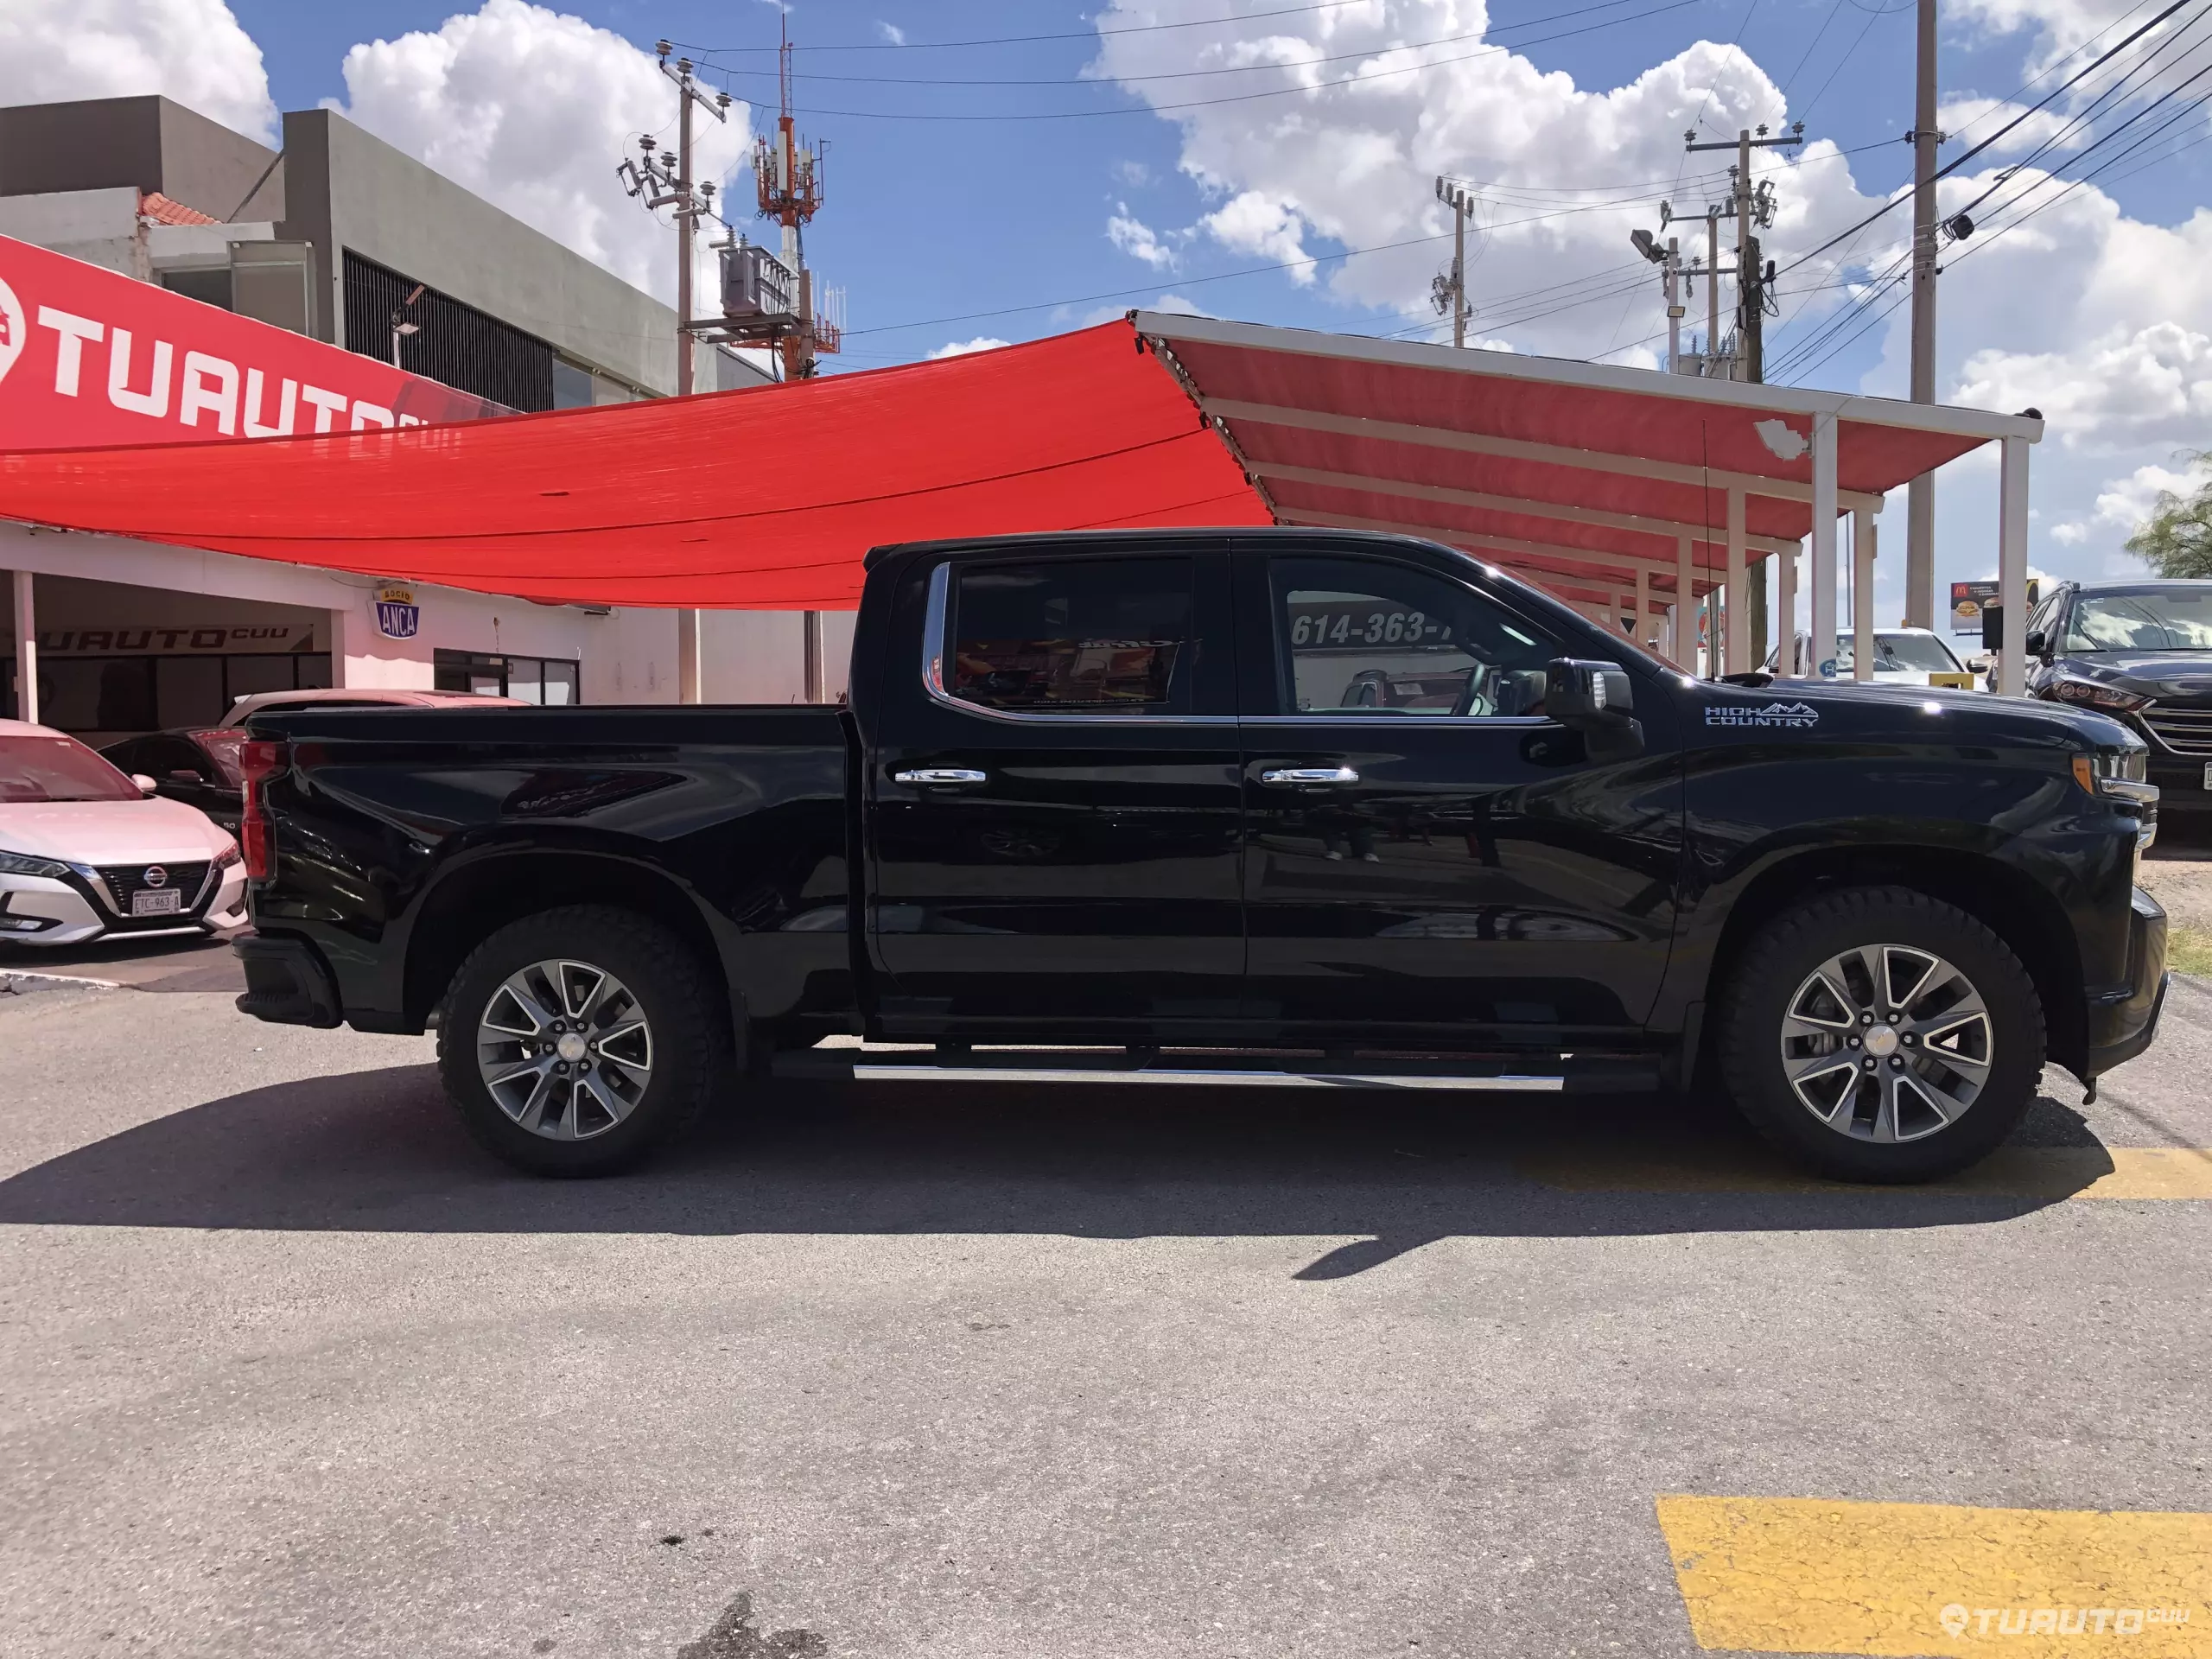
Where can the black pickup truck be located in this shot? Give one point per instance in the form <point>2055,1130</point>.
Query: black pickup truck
<point>1269,807</point>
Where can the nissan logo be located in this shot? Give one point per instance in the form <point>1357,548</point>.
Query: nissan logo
<point>156,876</point>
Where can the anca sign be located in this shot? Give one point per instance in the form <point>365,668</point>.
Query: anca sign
<point>398,617</point>
<point>88,356</point>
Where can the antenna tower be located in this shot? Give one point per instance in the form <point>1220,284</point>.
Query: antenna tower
<point>787,172</point>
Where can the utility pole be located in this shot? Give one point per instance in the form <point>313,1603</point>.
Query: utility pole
<point>668,181</point>
<point>1669,261</point>
<point>1449,293</point>
<point>1920,498</point>
<point>690,203</point>
<point>1754,210</point>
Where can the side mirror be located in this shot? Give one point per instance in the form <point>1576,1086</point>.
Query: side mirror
<point>2038,644</point>
<point>1598,700</point>
<point>146,785</point>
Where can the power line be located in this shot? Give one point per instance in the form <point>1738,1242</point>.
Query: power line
<point>1245,97</point>
<point>1953,167</point>
<point>1186,74</point>
<point>1023,39</point>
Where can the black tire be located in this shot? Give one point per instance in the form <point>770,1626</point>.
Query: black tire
<point>1782,958</point>
<point>663,978</point>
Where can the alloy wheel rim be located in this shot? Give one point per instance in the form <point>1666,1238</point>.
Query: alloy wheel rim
<point>1887,1043</point>
<point>564,1049</point>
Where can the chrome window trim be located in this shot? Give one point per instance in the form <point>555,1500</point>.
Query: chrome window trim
<point>933,625</point>
<point>936,610</point>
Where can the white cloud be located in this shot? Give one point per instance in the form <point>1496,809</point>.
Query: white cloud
<point>531,109</point>
<point>1977,120</point>
<point>193,51</point>
<point>962,348</point>
<point>1173,304</point>
<point>1256,223</point>
<point>2103,322</point>
<point>1137,239</point>
<point>1346,157</point>
<point>893,33</point>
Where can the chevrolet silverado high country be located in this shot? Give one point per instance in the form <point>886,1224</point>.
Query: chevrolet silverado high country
<point>1269,807</point>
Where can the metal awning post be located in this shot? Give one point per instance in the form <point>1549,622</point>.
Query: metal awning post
<point>1822,624</point>
<point>2012,566</point>
<point>1642,606</point>
<point>26,649</point>
<point>1685,608</point>
<point>688,672</point>
<point>1862,594</point>
<point>1785,612</point>
<point>1737,647</point>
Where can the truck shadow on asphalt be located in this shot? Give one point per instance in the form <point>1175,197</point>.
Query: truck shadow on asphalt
<point>380,1151</point>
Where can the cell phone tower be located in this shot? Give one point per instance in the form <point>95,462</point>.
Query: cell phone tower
<point>788,175</point>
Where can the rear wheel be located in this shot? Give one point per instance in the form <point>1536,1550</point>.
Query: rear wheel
<point>1879,1034</point>
<point>577,1042</point>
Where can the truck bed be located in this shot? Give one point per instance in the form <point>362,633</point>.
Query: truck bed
<point>404,835</point>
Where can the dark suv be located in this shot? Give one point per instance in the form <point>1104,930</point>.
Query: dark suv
<point>2142,652</point>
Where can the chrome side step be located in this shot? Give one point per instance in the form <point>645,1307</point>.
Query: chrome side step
<point>1252,1078</point>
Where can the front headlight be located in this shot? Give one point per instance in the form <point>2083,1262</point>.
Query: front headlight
<point>25,864</point>
<point>2095,694</point>
<point>227,857</point>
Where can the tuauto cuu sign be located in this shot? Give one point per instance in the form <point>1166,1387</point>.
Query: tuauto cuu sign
<point>89,357</point>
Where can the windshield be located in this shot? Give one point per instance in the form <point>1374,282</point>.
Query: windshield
<point>34,769</point>
<point>1915,652</point>
<point>222,746</point>
<point>2171,618</point>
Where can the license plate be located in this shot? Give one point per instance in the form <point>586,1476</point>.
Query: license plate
<point>2208,774</point>
<point>164,901</point>
<point>1952,682</point>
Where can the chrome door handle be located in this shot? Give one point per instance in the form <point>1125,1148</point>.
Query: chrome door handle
<point>941,775</point>
<point>1308,777</point>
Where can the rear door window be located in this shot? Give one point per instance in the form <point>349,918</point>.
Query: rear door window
<point>1074,636</point>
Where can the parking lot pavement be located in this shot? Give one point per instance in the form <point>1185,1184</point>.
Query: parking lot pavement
<point>291,1368</point>
<point>203,962</point>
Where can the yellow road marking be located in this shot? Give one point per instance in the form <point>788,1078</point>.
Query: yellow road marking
<point>1814,1576</point>
<point>2009,1172</point>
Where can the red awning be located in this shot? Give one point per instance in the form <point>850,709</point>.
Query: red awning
<point>764,499</point>
<point>1575,475</point>
<point>1592,480</point>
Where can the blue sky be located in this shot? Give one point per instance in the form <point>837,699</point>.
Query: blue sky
<point>1014,169</point>
<point>937,218</point>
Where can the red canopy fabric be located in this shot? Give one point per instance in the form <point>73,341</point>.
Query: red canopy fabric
<point>763,499</point>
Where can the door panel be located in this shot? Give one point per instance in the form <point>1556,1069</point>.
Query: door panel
<point>1055,823</point>
<point>1462,873</point>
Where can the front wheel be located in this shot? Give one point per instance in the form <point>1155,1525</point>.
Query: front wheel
<point>1879,1034</point>
<point>577,1042</point>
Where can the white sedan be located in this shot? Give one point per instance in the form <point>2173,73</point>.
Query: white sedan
<point>87,852</point>
<point>1902,657</point>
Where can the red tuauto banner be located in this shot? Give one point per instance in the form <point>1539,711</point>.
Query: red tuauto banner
<point>89,357</point>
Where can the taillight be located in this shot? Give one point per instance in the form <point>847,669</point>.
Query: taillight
<point>257,762</point>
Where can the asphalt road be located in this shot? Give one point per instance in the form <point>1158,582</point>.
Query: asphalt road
<point>290,1368</point>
